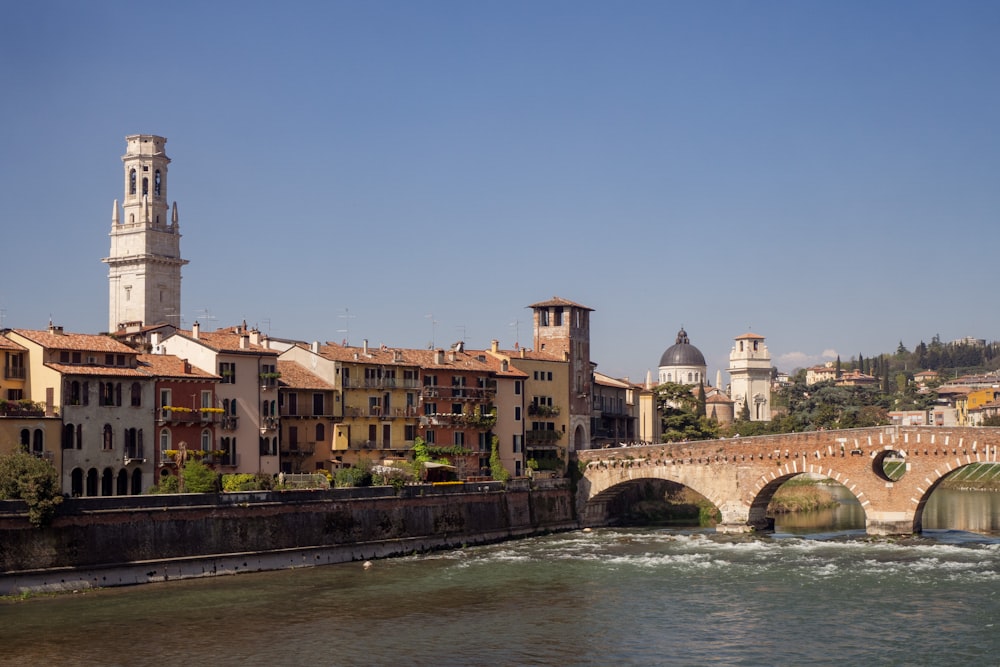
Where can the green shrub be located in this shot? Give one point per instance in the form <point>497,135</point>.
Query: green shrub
<point>33,480</point>
<point>199,478</point>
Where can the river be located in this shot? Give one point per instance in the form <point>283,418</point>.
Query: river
<point>819,595</point>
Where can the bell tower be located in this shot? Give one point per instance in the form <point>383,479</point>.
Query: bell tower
<point>750,374</point>
<point>144,266</point>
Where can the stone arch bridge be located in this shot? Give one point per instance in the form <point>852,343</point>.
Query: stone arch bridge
<point>740,475</point>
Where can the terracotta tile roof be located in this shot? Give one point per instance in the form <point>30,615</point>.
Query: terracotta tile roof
<point>718,398</point>
<point>228,341</point>
<point>531,355</point>
<point>496,365</point>
<point>450,359</point>
<point>383,356</point>
<point>172,366</point>
<point>608,381</point>
<point>558,301</point>
<point>295,376</point>
<point>749,336</point>
<point>8,344</point>
<point>72,341</point>
<point>102,371</point>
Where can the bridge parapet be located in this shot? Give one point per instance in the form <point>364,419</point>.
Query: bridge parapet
<point>740,475</point>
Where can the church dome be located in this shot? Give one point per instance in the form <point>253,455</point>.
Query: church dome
<point>682,353</point>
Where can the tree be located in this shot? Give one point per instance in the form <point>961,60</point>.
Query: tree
<point>497,471</point>
<point>33,480</point>
<point>745,411</point>
<point>837,367</point>
<point>700,410</point>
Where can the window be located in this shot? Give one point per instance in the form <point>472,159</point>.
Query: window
<point>136,395</point>
<point>549,378</point>
<point>164,443</point>
<point>38,444</point>
<point>517,387</point>
<point>206,399</point>
<point>456,408</point>
<point>157,183</point>
<point>459,438</point>
<point>15,394</point>
<point>558,317</point>
<point>25,439</point>
<point>131,181</point>
<point>409,432</point>
<point>77,358</point>
<point>109,360</point>
<point>67,436</point>
<point>543,318</point>
<point>517,413</point>
<point>206,440</point>
<point>320,433</point>
<point>108,438</point>
<point>318,403</point>
<point>518,443</point>
<point>227,370</point>
<point>430,380</point>
<point>164,398</point>
<point>145,185</point>
<point>429,437</point>
<point>430,408</point>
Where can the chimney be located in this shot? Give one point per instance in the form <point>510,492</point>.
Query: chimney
<point>187,367</point>
<point>451,356</point>
<point>522,353</point>
<point>494,345</point>
<point>255,336</point>
<point>314,347</point>
<point>195,330</point>
<point>54,330</point>
<point>439,356</point>
<point>397,355</point>
<point>244,341</point>
<point>364,346</point>
<point>565,355</point>
<point>155,339</point>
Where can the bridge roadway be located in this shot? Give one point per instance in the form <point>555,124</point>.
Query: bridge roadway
<point>740,475</point>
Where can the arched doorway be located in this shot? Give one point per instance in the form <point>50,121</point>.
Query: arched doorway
<point>122,485</point>
<point>107,482</point>
<point>137,482</point>
<point>76,482</point>
<point>92,482</point>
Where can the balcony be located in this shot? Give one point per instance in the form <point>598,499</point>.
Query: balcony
<point>14,372</point>
<point>299,449</point>
<point>380,383</point>
<point>229,423</point>
<point>543,410</point>
<point>21,409</point>
<point>268,424</point>
<point>542,438</point>
<point>177,415</point>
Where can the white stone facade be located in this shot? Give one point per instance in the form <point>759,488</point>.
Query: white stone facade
<point>144,265</point>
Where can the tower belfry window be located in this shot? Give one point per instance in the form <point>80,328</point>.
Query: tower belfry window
<point>145,185</point>
<point>156,184</point>
<point>131,182</point>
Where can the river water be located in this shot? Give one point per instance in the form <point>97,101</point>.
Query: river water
<point>819,595</point>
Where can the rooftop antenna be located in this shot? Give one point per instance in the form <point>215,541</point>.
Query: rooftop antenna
<point>347,317</point>
<point>433,329</point>
<point>267,323</point>
<point>461,328</point>
<point>517,332</point>
<point>206,315</point>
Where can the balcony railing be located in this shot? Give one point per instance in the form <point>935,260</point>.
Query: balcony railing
<point>458,393</point>
<point>542,437</point>
<point>187,416</point>
<point>229,423</point>
<point>14,372</point>
<point>543,410</point>
<point>299,449</point>
<point>268,423</point>
<point>380,383</point>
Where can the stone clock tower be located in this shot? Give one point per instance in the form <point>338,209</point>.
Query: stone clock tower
<point>144,266</point>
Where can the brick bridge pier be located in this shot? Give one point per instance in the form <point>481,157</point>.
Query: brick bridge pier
<point>740,475</point>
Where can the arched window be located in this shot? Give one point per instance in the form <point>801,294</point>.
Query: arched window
<point>92,482</point>
<point>320,433</point>
<point>122,485</point>
<point>206,440</point>
<point>689,378</point>
<point>137,482</point>
<point>164,444</point>
<point>67,438</point>
<point>76,482</point>
<point>670,377</point>
<point>136,395</point>
<point>156,184</point>
<point>79,436</point>
<point>74,393</point>
<point>131,182</point>
<point>25,439</point>
<point>38,445</point>
<point>108,438</point>
<point>145,185</point>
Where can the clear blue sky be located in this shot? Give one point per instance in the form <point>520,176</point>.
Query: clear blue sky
<point>823,173</point>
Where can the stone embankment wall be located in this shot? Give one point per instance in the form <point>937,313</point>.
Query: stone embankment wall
<point>98,542</point>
